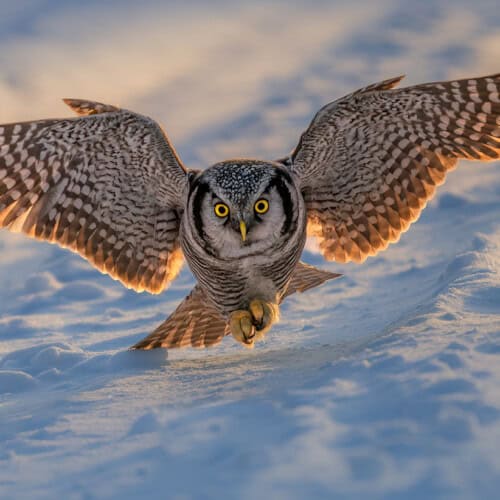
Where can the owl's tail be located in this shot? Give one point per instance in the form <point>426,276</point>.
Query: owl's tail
<point>197,323</point>
<point>306,277</point>
<point>194,323</point>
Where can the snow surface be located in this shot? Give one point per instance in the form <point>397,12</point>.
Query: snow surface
<point>383,384</point>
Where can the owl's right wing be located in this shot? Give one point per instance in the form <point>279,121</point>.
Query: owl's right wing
<point>107,185</point>
<point>370,161</point>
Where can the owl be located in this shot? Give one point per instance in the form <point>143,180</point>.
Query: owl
<point>110,186</point>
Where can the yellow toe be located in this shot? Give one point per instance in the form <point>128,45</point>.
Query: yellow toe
<point>265,314</point>
<point>257,310</point>
<point>242,328</point>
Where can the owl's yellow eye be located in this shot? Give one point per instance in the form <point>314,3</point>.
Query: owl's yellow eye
<point>221,210</point>
<point>261,206</point>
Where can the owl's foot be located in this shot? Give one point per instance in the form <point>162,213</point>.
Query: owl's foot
<point>242,327</point>
<point>249,326</point>
<point>264,314</point>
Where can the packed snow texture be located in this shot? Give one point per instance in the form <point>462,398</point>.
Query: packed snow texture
<point>383,384</point>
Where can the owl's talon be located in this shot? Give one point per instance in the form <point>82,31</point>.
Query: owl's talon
<point>242,327</point>
<point>257,310</point>
<point>264,314</point>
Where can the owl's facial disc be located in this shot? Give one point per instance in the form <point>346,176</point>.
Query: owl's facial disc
<point>251,226</point>
<point>242,210</point>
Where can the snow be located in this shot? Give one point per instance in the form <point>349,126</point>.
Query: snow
<point>382,384</point>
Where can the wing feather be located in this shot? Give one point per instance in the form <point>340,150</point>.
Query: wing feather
<point>195,323</point>
<point>305,277</point>
<point>369,162</point>
<point>107,185</point>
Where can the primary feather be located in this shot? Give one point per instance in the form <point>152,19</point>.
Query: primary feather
<point>369,162</point>
<point>108,186</point>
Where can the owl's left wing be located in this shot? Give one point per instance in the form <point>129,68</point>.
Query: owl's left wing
<point>107,185</point>
<point>369,162</point>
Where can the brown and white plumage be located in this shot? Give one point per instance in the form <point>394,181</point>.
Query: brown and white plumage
<point>109,186</point>
<point>195,323</point>
<point>369,162</point>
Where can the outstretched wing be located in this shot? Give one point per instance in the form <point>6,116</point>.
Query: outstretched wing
<point>107,185</point>
<point>369,162</point>
<point>194,323</point>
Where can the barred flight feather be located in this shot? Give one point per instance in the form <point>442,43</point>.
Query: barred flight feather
<point>369,162</point>
<point>194,323</point>
<point>107,185</point>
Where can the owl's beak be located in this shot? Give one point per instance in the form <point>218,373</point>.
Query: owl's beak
<point>243,230</point>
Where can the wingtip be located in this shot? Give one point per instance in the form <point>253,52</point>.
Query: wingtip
<point>391,82</point>
<point>379,86</point>
<point>144,344</point>
<point>83,107</point>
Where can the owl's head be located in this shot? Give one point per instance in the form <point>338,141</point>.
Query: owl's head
<point>239,207</point>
